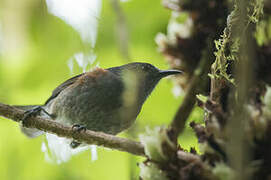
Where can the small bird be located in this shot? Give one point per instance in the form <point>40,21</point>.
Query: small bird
<point>106,100</point>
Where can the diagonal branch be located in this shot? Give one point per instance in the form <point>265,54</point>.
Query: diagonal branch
<point>196,85</point>
<point>88,137</point>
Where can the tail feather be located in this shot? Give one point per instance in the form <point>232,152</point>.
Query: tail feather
<point>29,132</point>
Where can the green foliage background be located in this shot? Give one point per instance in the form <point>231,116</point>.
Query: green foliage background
<point>29,76</point>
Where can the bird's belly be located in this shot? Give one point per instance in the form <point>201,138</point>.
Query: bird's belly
<point>111,121</point>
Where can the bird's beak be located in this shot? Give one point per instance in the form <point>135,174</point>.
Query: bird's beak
<point>164,73</point>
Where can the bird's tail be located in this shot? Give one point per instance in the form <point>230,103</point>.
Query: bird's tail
<point>29,132</point>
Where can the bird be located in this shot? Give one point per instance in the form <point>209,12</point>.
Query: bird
<point>103,100</point>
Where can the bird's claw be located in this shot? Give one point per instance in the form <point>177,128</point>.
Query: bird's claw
<point>74,144</point>
<point>79,127</point>
<point>34,112</point>
<point>31,112</point>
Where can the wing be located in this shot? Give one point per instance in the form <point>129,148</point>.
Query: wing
<point>63,86</point>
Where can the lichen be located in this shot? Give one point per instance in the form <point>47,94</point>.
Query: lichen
<point>153,141</point>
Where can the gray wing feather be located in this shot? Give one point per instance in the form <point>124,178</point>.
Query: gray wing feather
<point>62,86</point>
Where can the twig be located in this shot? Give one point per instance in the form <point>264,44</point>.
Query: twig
<point>121,29</point>
<point>88,137</point>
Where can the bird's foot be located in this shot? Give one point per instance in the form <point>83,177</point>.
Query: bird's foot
<point>74,144</point>
<point>33,112</point>
<point>79,127</point>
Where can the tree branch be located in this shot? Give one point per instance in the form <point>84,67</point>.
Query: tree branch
<point>88,137</point>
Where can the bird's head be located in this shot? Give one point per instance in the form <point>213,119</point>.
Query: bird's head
<point>141,77</point>
<point>145,70</point>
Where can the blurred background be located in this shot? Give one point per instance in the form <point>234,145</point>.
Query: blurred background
<point>43,43</point>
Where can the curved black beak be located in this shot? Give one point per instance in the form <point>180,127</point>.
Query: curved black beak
<point>164,73</point>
